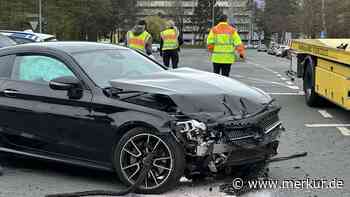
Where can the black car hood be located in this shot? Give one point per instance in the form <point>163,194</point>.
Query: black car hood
<point>195,91</point>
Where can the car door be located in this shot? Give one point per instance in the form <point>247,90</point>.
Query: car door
<point>37,117</point>
<point>6,62</point>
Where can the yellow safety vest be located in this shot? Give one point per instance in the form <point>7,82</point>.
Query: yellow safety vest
<point>222,42</point>
<point>138,42</point>
<point>170,39</point>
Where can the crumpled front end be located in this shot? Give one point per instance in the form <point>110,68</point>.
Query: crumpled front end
<point>218,120</point>
<point>229,142</point>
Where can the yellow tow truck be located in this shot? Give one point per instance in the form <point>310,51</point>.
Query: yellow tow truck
<point>324,66</point>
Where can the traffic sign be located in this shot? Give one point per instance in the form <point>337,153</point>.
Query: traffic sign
<point>34,24</point>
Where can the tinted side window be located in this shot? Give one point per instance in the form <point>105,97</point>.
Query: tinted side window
<point>40,69</point>
<point>6,63</point>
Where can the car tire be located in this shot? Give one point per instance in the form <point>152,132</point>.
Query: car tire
<point>167,168</point>
<point>311,97</point>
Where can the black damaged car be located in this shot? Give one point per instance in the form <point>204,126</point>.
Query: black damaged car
<point>109,107</point>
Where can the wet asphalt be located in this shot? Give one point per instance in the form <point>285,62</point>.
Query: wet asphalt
<point>328,148</point>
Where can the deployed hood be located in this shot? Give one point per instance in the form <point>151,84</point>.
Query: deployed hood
<point>195,91</point>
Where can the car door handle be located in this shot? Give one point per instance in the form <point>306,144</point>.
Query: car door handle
<point>10,92</point>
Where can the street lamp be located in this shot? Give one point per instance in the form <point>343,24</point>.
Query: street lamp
<point>324,25</point>
<point>40,17</point>
<point>214,3</point>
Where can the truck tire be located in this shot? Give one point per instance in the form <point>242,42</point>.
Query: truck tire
<point>168,165</point>
<point>311,97</point>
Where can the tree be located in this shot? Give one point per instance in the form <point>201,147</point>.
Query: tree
<point>311,18</point>
<point>280,17</point>
<point>123,15</point>
<point>13,14</point>
<point>155,25</point>
<point>337,18</point>
<point>202,17</point>
<point>177,13</point>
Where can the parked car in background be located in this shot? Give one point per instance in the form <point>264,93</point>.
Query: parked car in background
<point>262,48</point>
<point>250,46</point>
<point>5,41</point>
<point>285,51</point>
<point>272,50</point>
<point>279,51</point>
<point>27,36</point>
<point>282,51</point>
<point>155,48</point>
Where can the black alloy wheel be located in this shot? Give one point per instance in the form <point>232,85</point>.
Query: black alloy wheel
<point>167,166</point>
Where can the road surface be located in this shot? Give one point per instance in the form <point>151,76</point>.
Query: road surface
<point>322,132</point>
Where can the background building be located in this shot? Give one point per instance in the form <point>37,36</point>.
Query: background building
<point>238,11</point>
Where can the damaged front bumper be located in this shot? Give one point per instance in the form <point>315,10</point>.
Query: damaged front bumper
<point>231,142</point>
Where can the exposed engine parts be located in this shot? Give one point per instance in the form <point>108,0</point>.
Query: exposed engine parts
<point>231,142</point>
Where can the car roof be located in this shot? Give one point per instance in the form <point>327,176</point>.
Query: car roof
<point>36,37</point>
<point>68,47</point>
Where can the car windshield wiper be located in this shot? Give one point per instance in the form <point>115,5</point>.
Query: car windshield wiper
<point>111,91</point>
<point>135,95</point>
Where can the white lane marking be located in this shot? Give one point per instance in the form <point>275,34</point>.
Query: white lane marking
<point>276,73</point>
<point>284,79</point>
<point>289,83</point>
<point>326,125</point>
<point>325,114</point>
<point>265,81</point>
<point>272,82</point>
<point>287,93</point>
<point>279,75</point>
<point>343,130</point>
<point>260,66</point>
<point>293,87</point>
<point>276,83</point>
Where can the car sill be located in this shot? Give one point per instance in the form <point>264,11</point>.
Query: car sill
<point>67,161</point>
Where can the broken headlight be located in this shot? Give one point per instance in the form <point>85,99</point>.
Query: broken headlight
<point>191,125</point>
<point>193,129</point>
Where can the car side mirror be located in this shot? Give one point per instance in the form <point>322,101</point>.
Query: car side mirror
<point>65,83</point>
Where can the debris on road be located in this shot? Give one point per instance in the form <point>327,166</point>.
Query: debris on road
<point>277,159</point>
<point>261,175</point>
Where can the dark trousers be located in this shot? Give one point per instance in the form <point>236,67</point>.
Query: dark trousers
<point>172,55</point>
<point>223,69</point>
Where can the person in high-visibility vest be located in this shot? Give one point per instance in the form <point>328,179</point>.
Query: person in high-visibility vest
<point>139,39</point>
<point>223,40</point>
<point>170,45</point>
